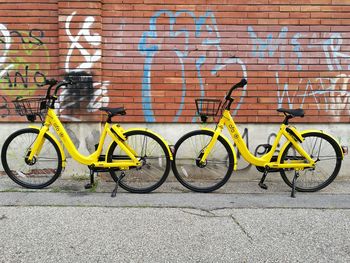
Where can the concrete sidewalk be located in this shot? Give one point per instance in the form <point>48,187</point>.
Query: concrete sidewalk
<point>235,194</point>
<point>238,223</point>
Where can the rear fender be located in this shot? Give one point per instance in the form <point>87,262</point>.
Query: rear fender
<point>149,131</point>
<point>308,131</point>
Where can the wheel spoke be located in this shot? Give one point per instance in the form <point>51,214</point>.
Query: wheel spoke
<point>324,150</point>
<point>155,162</point>
<point>42,170</point>
<point>193,175</point>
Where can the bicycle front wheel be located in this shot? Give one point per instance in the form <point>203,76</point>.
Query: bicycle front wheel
<point>198,177</point>
<point>327,155</point>
<point>42,171</point>
<point>154,157</point>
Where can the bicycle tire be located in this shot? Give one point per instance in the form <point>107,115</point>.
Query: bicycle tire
<point>32,176</point>
<point>311,180</point>
<point>187,170</point>
<point>143,179</point>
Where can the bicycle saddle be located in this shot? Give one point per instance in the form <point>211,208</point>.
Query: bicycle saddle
<point>293,113</point>
<point>113,111</point>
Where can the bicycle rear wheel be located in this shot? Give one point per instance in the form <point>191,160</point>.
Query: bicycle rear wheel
<point>155,159</point>
<point>44,168</point>
<point>328,156</point>
<point>198,177</point>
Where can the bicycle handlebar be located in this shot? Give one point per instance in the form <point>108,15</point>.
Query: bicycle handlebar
<point>50,82</point>
<point>228,98</point>
<point>240,84</point>
<point>53,82</point>
<point>63,83</point>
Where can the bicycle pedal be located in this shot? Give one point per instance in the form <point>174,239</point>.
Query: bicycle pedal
<point>88,186</point>
<point>263,186</point>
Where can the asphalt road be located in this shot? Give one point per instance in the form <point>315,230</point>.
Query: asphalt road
<point>242,223</point>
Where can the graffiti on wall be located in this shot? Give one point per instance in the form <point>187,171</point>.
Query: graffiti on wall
<point>328,93</point>
<point>188,43</point>
<point>292,50</point>
<point>86,93</point>
<point>196,51</point>
<point>5,42</point>
<point>4,107</point>
<point>93,39</point>
<point>18,73</point>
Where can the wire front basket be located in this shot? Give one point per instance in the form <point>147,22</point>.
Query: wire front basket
<point>31,107</point>
<point>207,108</point>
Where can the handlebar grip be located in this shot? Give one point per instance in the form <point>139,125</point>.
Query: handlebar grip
<point>66,82</point>
<point>242,83</point>
<point>50,82</point>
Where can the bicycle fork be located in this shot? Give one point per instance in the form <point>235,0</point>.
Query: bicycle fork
<point>205,152</point>
<point>36,146</point>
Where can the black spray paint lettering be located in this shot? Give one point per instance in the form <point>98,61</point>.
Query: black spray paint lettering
<point>79,94</point>
<point>4,108</point>
<point>22,78</point>
<point>34,37</point>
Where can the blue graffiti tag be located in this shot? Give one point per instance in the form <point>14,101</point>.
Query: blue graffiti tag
<point>266,47</point>
<point>203,24</point>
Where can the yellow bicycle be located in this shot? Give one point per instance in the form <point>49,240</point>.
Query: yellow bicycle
<point>204,159</point>
<point>137,159</point>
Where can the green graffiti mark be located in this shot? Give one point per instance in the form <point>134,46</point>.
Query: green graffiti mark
<point>25,74</point>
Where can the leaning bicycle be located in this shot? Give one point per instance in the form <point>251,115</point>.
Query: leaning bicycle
<point>204,159</point>
<point>137,159</point>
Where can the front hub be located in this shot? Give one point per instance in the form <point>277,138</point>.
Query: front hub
<point>32,162</point>
<point>199,163</point>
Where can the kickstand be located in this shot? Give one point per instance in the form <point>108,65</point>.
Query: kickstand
<point>262,180</point>
<point>114,193</point>
<point>296,175</point>
<point>90,185</point>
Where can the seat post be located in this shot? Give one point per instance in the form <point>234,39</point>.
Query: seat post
<point>109,118</point>
<point>286,119</point>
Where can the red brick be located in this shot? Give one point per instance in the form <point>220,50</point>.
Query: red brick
<point>122,23</point>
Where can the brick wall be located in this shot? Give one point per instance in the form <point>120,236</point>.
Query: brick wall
<point>155,57</point>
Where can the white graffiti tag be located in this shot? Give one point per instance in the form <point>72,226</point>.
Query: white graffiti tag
<point>94,40</point>
<point>95,95</point>
<point>5,38</point>
<point>332,52</point>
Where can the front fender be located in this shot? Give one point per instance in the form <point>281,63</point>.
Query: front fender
<point>309,131</point>
<point>56,141</point>
<point>229,143</point>
<point>149,131</point>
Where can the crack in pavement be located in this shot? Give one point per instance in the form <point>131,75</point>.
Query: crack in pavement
<point>250,239</point>
<point>210,214</point>
<point>3,217</point>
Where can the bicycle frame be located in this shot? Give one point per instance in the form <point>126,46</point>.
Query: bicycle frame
<point>114,131</point>
<point>265,160</point>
